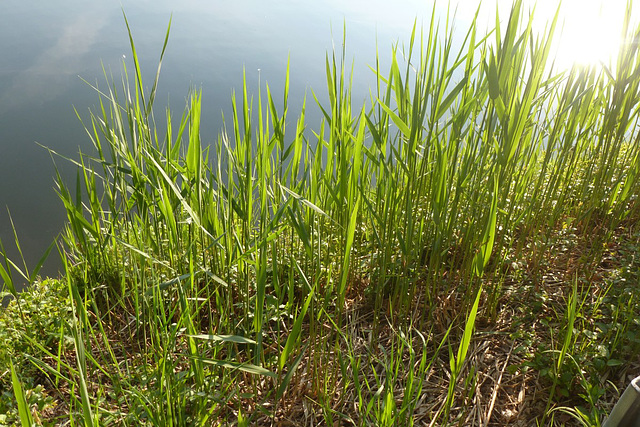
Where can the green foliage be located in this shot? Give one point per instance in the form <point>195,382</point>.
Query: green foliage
<point>41,333</point>
<point>217,281</point>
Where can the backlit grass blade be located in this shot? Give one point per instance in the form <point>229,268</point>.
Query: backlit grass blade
<point>26,419</point>
<point>404,128</point>
<point>235,366</point>
<point>456,362</point>
<point>286,380</point>
<point>304,201</point>
<point>488,237</point>
<point>5,272</point>
<point>346,257</point>
<point>469,326</point>
<point>224,338</point>
<point>294,335</point>
<point>80,317</point>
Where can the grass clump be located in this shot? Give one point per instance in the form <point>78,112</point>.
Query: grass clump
<point>458,250</point>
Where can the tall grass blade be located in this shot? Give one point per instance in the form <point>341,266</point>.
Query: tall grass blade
<point>26,419</point>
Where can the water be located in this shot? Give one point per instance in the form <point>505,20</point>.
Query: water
<point>48,48</point>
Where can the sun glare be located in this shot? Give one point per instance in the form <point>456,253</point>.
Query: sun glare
<point>588,32</point>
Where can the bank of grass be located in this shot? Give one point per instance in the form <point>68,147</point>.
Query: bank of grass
<point>462,250</point>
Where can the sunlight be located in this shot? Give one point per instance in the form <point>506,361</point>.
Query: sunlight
<point>591,32</point>
<point>588,32</point>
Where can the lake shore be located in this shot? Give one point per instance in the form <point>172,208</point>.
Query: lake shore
<point>460,249</point>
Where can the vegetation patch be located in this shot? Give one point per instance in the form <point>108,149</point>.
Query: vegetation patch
<point>459,250</point>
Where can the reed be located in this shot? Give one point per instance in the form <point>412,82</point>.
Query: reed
<point>280,267</point>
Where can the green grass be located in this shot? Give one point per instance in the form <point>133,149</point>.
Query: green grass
<point>478,204</point>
